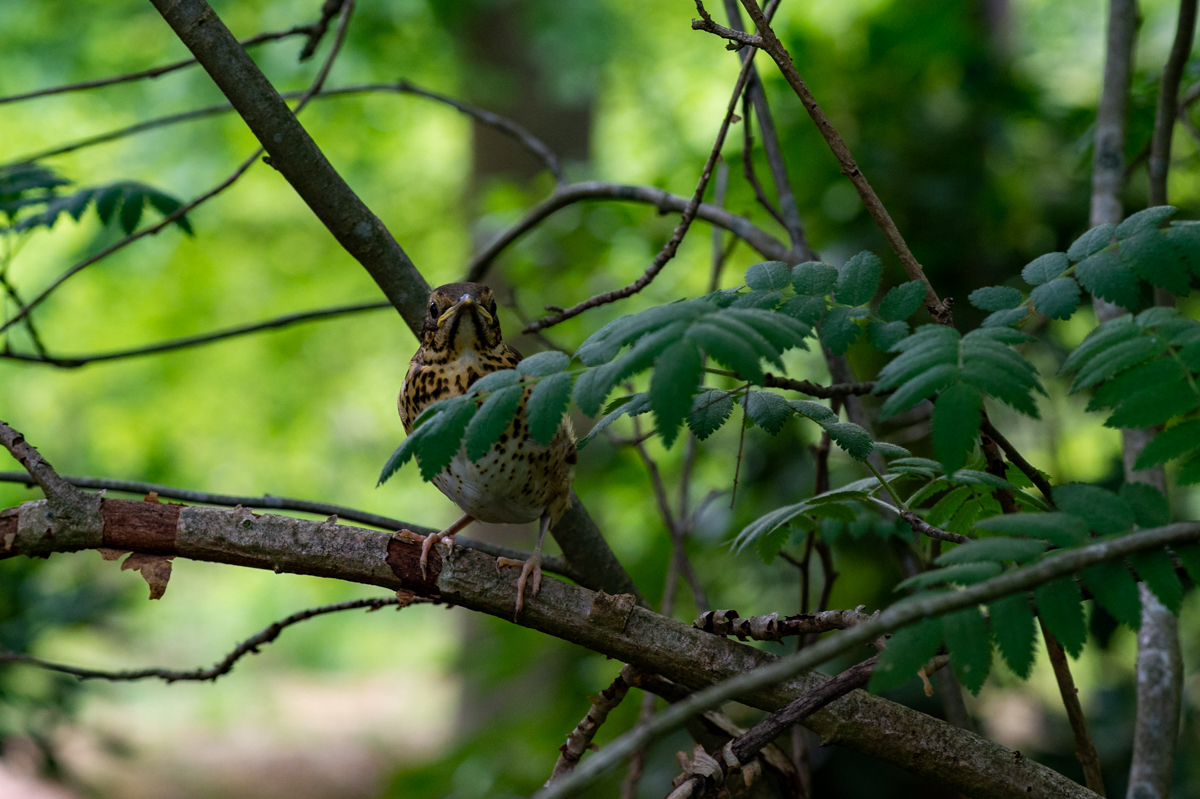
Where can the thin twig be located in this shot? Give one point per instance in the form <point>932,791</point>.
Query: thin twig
<point>580,738</point>
<point>11,291</point>
<point>1085,749</point>
<point>689,213</point>
<point>73,361</point>
<point>760,194</point>
<point>838,390</point>
<point>665,202</point>
<point>1168,102</point>
<point>919,525</point>
<point>997,467</point>
<point>1014,455</point>
<point>249,646</point>
<point>551,563</point>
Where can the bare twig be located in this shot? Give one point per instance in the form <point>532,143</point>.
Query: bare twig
<point>771,44</point>
<point>551,563</point>
<point>773,628</point>
<point>719,251</point>
<point>73,361</point>
<point>250,646</point>
<point>1085,749</point>
<point>1014,455</point>
<point>329,10</point>
<point>689,213</point>
<point>580,738</point>
<point>748,172</point>
<point>919,525</point>
<point>11,291</point>
<point>665,202</point>
<point>837,390</point>
<point>1168,102</point>
<point>997,468</point>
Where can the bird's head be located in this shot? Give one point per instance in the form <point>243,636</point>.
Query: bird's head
<point>461,317</point>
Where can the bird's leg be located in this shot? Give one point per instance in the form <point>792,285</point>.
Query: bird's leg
<point>531,566</point>
<point>446,535</point>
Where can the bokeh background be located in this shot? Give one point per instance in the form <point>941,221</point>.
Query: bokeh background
<point>971,118</point>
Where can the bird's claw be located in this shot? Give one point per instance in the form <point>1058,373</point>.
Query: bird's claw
<point>531,566</point>
<point>427,544</point>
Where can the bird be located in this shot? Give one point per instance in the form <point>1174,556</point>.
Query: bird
<point>519,480</point>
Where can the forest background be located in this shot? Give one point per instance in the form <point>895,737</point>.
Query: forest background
<point>974,122</point>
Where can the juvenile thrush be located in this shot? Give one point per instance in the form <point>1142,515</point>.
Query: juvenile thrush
<point>519,479</point>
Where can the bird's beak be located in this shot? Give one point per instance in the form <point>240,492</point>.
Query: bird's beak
<point>465,302</point>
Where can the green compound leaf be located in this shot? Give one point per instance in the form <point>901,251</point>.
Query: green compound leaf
<point>1157,571</point>
<point>907,651</point>
<point>1152,256</point>
<point>921,387</point>
<point>1019,550</point>
<point>1102,510</point>
<point>1155,405</point>
<point>677,373</point>
<point>1060,529</point>
<point>769,276</point>
<point>1116,590</point>
<point>1115,359</point>
<point>1057,299</point>
<point>807,310</point>
<point>439,438</point>
<point>995,298</point>
<point>858,279</point>
<point>107,200</point>
<point>1107,275</point>
<point>889,450</point>
<point>494,381</point>
<point>1150,507</point>
<point>1170,444</point>
<point>710,410</point>
<point>131,208</point>
<point>1045,268</point>
<point>1103,337</point>
<point>768,300</point>
<point>1126,386</point>
<point>768,410</point>
<point>1005,318</point>
<point>956,419</point>
<point>970,644</point>
<point>885,336</point>
<point>1091,242</point>
<point>547,404</point>
<point>1061,607</point>
<point>782,331</point>
<point>902,301</point>
<point>840,328</point>
<point>1016,634</point>
<point>814,279</point>
<point>492,419</point>
<point>1146,219</point>
<point>633,405</point>
<point>594,385</point>
<point>819,413</point>
<point>1189,473</point>
<point>853,439</point>
<point>928,346</point>
<point>729,349</point>
<point>544,363</point>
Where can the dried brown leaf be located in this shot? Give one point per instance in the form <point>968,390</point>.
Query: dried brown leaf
<point>156,569</point>
<point>112,554</point>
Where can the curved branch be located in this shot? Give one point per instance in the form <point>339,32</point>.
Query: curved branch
<point>75,361</point>
<point>664,201</point>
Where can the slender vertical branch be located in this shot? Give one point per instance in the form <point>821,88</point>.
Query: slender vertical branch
<point>1085,749</point>
<point>1108,157</point>
<point>1168,102</point>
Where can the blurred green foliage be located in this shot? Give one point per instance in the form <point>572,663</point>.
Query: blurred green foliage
<point>972,120</point>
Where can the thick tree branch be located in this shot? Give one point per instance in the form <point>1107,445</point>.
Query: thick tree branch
<point>773,628</point>
<point>665,202</point>
<point>607,624</point>
<point>250,646</point>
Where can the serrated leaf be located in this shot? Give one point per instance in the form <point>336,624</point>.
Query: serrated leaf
<point>1002,384</point>
<point>1170,444</point>
<point>1102,510</point>
<point>1115,589</point>
<point>768,523</point>
<point>819,413</point>
<point>710,409</point>
<point>853,439</point>
<point>1019,550</point>
<point>1155,316</point>
<point>1107,276</point>
<point>1102,338</point>
<point>107,200</point>
<point>402,455</point>
<point>921,387</point>
<point>1144,377</point>
<point>1115,359</point>
<point>494,381</point>
<point>902,301</point>
<point>768,546</point>
<point>729,349</point>
<point>1155,405</point>
<point>973,477</point>
<point>1060,529</point>
<point>782,331</point>
<point>767,409</point>
<point>768,300</point>
<point>1012,624</point>
<point>1045,268</point>
<point>958,574</point>
<point>858,279</point>
<point>594,385</point>
<point>1005,318</point>
<point>131,209</point>
<point>1060,606</point>
<point>677,373</point>
<point>889,450</point>
<point>1146,219</point>
<point>166,205</point>
<point>807,310</point>
<point>814,279</point>
<point>1150,255</point>
<point>1189,556</point>
<point>769,276</point>
<point>547,404</point>
<point>1157,571</point>
<point>1185,236</point>
<point>1189,473</point>
<point>544,363</point>
<point>1091,242</point>
<point>840,329</point>
<point>995,298</point>
<point>440,437</point>
<point>885,336</point>
<point>955,422</point>
<point>945,508</point>
<point>970,645</point>
<point>927,347</point>
<point>907,651</point>
<point>604,345</point>
<point>492,419</point>
<point>1057,299</point>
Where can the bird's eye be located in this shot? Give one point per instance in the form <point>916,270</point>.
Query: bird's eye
<point>492,307</point>
<point>433,308</point>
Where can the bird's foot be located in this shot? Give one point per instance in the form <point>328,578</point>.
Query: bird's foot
<point>427,544</point>
<point>530,567</point>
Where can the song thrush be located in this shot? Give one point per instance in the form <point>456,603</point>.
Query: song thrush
<point>519,479</point>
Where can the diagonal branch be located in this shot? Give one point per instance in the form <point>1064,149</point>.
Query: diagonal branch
<point>250,646</point>
<point>580,738</point>
<point>1168,102</point>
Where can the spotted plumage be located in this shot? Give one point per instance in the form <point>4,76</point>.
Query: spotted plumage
<point>519,479</point>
